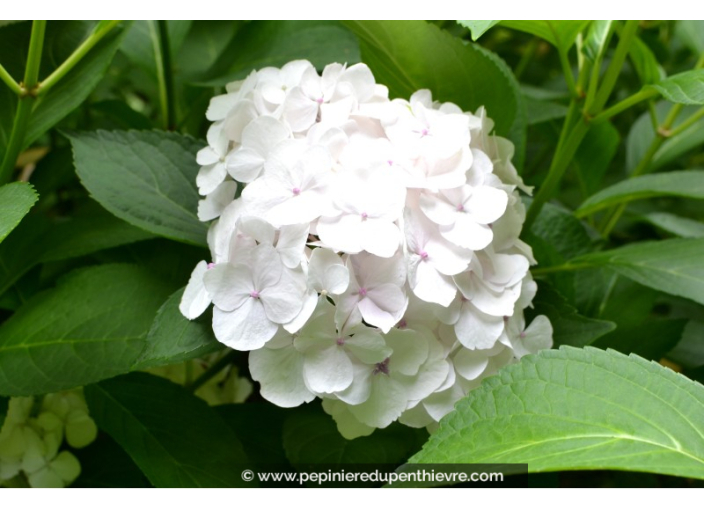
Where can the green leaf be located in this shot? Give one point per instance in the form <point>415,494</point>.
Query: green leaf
<point>39,241</point>
<point>275,43</point>
<point>173,338</point>
<point>146,178</point>
<point>90,327</point>
<point>172,435</point>
<point>259,426</point>
<point>562,231</point>
<point>596,38</point>
<point>692,34</point>
<point>642,134</point>
<point>119,473</point>
<point>410,55</point>
<point>477,27</point>
<point>645,63</point>
<point>138,44</point>
<point>685,184</point>
<point>689,352</point>
<point>650,339</point>
<point>595,154</point>
<point>311,437</point>
<point>578,409</point>
<point>16,199</point>
<point>543,111</point>
<point>569,327</point>
<point>673,266</point>
<point>677,225</point>
<point>683,88</point>
<point>561,34</point>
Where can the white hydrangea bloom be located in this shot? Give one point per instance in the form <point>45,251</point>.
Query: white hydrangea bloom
<point>373,259</point>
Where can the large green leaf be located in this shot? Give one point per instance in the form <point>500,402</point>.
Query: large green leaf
<point>16,199</point>
<point>642,134</point>
<point>119,473</point>
<point>173,338</point>
<point>597,37</point>
<point>275,43</point>
<point>39,240</point>
<point>578,409</point>
<point>62,37</point>
<point>90,327</point>
<point>674,266</point>
<point>645,63</point>
<point>477,27</point>
<point>686,184</point>
<point>677,225</point>
<point>139,46</point>
<point>410,55</point>
<point>683,88</point>
<point>569,327</point>
<point>147,178</point>
<point>561,34</point>
<point>172,435</point>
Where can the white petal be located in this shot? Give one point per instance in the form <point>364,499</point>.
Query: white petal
<point>245,164</point>
<point>385,404</point>
<point>327,370</point>
<point>431,286</point>
<point>410,350</point>
<point>327,272</point>
<point>280,373</point>
<point>245,329</point>
<point>310,303</point>
<point>284,301</point>
<point>470,364</point>
<point>477,330</point>
<point>380,237</point>
<point>229,285</point>
<point>368,346</point>
<point>209,177</point>
<point>195,298</point>
<point>291,243</point>
<point>342,233</point>
<point>214,204</point>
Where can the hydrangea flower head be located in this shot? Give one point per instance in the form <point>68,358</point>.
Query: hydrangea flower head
<point>372,259</point>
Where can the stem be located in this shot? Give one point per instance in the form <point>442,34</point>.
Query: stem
<point>101,31</point>
<point>627,37</point>
<point>567,71</point>
<point>687,123</point>
<point>162,52</point>
<point>25,103</point>
<point>10,81</point>
<point>214,370</point>
<point>557,169</point>
<point>624,105</point>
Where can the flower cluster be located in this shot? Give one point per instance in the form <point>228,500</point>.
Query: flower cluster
<point>372,258</point>
<point>32,436</point>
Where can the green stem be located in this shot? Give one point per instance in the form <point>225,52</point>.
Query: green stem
<point>687,123</point>
<point>626,39</point>
<point>624,105</point>
<point>10,81</point>
<point>25,103</point>
<point>557,169</point>
<point>214,370</point>
<point>162,52</point>
<point>527,56</point>
<point>101,31</point>
<point>567,71</point>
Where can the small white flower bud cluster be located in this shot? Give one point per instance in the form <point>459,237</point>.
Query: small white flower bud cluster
<point>372,259</point>
<point>34,432</point>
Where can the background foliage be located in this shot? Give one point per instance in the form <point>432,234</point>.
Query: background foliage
<point>99,125</point>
